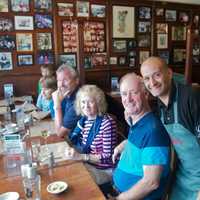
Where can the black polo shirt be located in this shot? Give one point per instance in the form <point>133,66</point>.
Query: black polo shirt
<point>188,101</point>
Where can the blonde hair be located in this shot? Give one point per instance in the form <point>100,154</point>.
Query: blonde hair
<point>50,83</point>
<point>94,92</point>
<point>47,67</point>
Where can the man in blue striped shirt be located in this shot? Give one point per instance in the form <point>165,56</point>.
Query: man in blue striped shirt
<point>144,164</point>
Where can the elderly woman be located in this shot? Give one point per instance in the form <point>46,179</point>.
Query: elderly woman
<point>94,137</point>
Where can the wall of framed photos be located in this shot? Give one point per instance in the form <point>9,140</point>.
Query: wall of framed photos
<point>103,39</point>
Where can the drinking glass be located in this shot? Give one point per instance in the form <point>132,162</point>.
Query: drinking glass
<point>10,162</point>
<point>36,148</point>
<point>45,150</point>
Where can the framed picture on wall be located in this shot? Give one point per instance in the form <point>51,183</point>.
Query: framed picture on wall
<point>98,10</point>
<point>119,46</point>
<point>183,17</point>
<point>143,55</point>
<point>195,60</point>
<point>87,62</point>
<point>123,22</point>
<point>68,59</point>
<point>43,5</point>
<point>25,60</point>
<point>20,5</point>
<point>44,41</point>
<point>7,42</point>
<point>162,41</point>
<point>196,20</point>
<point>24,22</point>
<point>159,12</point>
<point>122,60</point>
<point>70,36</point>
<point>144,13</point>
<point>115,84</point>
<point>65,9</point>
<point>131,62</point>
<point>179,56</point>
<point>6,24</point>
<point>8,89</point>
<point>144,40</point>
<point>113,60</point>
<point>131,44</point>
<point>45,58</point>
<point>164,55</point>
<point>132,53</point>
<point>24,42</point>
<point>82,8</point>
<point>144,27</point>
<point>161,28</point>
<point>94,36</point>
<point>170,15</point>
<point>99,59</point>
<point>6,61</point>
<point>178,33</point>
<point>43,21</point>
<point>4,6</point>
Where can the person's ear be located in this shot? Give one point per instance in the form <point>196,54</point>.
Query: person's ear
<point>77,81</point>
<point>170,73</point>
<point>147,94</point>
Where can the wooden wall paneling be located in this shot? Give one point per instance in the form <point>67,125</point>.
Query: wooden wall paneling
<point>97,74</point>
<point>24,83</point>
<point>99,77</point>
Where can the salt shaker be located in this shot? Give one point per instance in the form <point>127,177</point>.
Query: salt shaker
<point>51,160</point>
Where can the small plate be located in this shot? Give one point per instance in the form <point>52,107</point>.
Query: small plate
<point>56,187</point>
<point>9,196</point>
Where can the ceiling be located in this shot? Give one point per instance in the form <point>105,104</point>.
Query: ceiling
<point>182,1</point>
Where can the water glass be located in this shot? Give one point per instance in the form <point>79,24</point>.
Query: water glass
<point>32,187</point>
<point>36,148</point>
<point>7,118</point>
<point>10,162</point>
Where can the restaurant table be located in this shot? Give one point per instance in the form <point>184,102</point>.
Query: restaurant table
<point>80,183</point>
<point>74,173</point>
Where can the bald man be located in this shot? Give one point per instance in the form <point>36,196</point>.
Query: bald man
<point>143,167</point>
<point>179,109</point>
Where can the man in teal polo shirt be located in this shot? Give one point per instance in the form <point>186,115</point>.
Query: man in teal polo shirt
<point>143,168</point>
<point>179,107</point>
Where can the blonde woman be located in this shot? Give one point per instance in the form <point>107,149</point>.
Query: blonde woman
<point>94,137</point>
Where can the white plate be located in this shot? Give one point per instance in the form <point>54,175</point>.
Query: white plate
<point>56,187</point>
<point>9,196</point>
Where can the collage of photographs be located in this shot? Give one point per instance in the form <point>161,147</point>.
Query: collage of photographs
<point>94,41</point>
<point>27,35</point>
<point>17,32</point>
<point>171,30</point>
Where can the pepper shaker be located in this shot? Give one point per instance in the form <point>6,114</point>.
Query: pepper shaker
<point>51,160</point>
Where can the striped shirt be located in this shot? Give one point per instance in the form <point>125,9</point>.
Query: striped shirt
<point>104,142</point>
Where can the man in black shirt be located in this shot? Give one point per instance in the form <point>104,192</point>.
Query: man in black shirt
<point>179,107</point>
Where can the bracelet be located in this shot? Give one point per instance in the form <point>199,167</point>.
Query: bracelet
<point>86,157</point>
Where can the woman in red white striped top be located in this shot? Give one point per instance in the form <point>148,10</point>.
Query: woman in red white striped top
<point>91,105</point>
